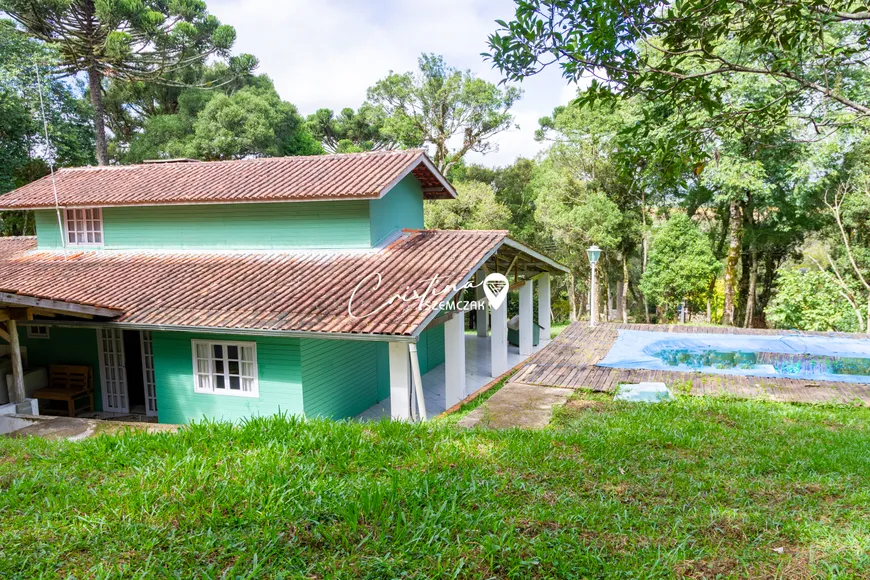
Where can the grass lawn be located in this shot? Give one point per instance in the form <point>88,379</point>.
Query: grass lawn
<point>694,488</point>
<point>556,329</point>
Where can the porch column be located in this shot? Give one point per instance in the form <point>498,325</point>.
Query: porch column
<point>480,296</point>
<point>454,359</point>
<point>16,393</point>
<point>400,382</point>
<point>498,341</point>
<point>544,307</point>
<point>526,318</point>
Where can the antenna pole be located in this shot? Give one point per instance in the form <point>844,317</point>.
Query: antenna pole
<point>50,161</point>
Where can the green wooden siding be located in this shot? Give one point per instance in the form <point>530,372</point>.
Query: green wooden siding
<point>47,230</point>
<point>65,346</point>
<point>341,378</point>
<point>401,207</point>
<point>261,226</point>
<point>434,347</point>
<point>278,365</point>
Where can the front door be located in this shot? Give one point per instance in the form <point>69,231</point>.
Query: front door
<point>113,371</point>
<point>148,373</point>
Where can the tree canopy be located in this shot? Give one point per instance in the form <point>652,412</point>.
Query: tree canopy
<point>440,104</point>
<point>693,52</point>
<point>130,41</point>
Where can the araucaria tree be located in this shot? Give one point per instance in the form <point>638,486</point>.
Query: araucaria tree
<point>440,103</point>
<point>130,40</point>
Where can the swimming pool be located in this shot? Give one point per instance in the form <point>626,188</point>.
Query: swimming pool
<point>818,358</point>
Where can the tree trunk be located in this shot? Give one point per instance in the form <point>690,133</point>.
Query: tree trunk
<point>743,287</point>
<point>734,231</point>
<point>623,305</point>
<point>770,268</point>
<point>711,289</point>
<point>572,298</point>
<point>643,265</point>
<point>750,294</point>
<point>96,89</point>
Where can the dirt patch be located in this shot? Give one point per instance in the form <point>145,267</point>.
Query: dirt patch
<point>584,405</point>
<point>706,568</point>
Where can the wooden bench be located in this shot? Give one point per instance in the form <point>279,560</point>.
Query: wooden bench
<point>71,384</point>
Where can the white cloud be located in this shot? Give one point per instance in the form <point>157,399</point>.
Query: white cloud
<point>326,53</point>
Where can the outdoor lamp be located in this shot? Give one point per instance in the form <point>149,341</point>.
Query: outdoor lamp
<point>594,253</point>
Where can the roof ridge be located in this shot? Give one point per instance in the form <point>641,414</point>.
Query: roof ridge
<point>200,162</point>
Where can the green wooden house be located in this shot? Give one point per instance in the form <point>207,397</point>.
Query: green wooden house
<point>304,285</point>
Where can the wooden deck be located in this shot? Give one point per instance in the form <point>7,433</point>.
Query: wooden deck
<point>570,361</point>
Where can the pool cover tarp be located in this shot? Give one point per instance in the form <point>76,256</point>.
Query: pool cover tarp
<point>817,358</point>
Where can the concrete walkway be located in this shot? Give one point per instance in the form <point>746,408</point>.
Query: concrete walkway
<point>517,405</point>
<point>74,428</point>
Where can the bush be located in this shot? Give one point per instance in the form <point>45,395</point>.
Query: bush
<point>810,301</point>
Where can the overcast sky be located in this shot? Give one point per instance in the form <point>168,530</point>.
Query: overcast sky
<point>326,53</point>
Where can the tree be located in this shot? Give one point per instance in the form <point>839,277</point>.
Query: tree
<point>690,52</point>
<point>475,208</point>
<point>808,300</point>
<point>350,131</point>
<point>250,122</point>
<point>129,41</point>
<point>575,213</point>
<point>737,180</point>
<point>513,188</point>
<point>130,105</point>
<point>222,124</point>
<point>681,263</point>
<point>24,151</point>
<point>440,103</point>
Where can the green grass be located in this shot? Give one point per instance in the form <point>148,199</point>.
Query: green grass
<point>556,329</point>
<point>694,488</point>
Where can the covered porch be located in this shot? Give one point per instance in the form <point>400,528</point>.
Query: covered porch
<point>22,382</point>
<point>473,357</point>
<point>478,373</point>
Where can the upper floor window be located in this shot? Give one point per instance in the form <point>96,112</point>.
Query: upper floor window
<point>84,227</point>
<point>225,368</point>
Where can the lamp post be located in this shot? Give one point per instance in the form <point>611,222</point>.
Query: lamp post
<point>593,253</point>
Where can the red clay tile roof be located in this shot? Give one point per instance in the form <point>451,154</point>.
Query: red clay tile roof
<point>320,177</point>
<point>280,291</point>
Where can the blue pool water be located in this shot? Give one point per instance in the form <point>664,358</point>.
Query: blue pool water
<point>797,357</point>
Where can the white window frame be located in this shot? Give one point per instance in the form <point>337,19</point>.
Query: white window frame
<point>205,382</point>
<point>34,332</point>
<point>74,217</point>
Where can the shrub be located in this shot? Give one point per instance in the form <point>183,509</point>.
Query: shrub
<point>810,301</point>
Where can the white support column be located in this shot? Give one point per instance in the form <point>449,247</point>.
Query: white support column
<point>454,359</point>
<point>400,382</point>
<point>480,296</point>
<point>417,380</point>
<point>498,341</point>
<point>526,318</point>
<point>544,307</point>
